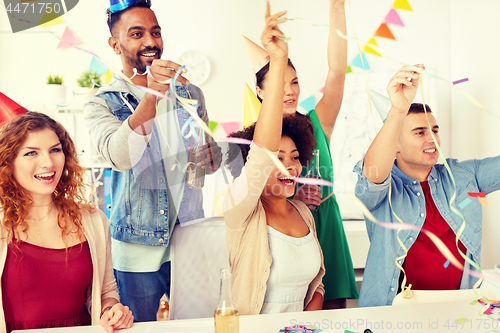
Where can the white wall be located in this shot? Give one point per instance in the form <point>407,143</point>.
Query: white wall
<point>215,28</point>
<point>474,54</point>
<point>454,38</point>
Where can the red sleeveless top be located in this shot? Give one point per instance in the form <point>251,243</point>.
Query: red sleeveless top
<point>44,287</point>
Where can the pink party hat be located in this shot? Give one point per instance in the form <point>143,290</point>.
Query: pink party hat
<point>258,56</point>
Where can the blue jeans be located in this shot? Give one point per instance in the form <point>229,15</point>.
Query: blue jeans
<point>142,292</point>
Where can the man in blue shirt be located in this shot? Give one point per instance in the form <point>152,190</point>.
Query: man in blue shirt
<point>400,170</point>
<point>140,137</point>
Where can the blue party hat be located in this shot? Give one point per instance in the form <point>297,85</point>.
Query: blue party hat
<point>119,5</point>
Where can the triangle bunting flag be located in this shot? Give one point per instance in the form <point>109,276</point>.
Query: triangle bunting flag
<point>309,103</point>
<point>108,77</point>
<point>402,4</point>
<point>384,31</point>
<point>212,125</point>
<point>393,18</point>
<point>97,66</point>
<point>54,21</point>
<point>230,126</point>
<point>361,64</point>
<point>68,39</point>
<point>369,49</point>
<point>47,18</point>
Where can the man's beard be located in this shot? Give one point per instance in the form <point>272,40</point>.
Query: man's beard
<point>136,62</point>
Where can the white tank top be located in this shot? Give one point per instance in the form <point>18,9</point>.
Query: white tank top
<point>296,262</point>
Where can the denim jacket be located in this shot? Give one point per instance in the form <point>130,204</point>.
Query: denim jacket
<point>381,276</point>
<point>139,199</point>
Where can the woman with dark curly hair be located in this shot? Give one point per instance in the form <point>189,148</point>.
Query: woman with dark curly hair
<point>54,246</point>
<point>339,280</point>
<point>274,253</point>
<point>298,129</point>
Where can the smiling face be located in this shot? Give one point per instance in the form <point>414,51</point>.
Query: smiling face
<point>137,39</point>
<point>291,93</point>
<point>278,185</point>
<point>39,163</point>
<point>417,152</point>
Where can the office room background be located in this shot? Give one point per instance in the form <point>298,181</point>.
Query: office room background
<point>455,39</point>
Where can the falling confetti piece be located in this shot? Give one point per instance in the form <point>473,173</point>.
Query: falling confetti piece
<point>460,81</point>
<point>464,203</point>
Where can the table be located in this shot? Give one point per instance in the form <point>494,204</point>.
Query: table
<point>493,285</point>
<point>434,317</point>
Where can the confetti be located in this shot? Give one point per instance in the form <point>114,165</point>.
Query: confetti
<point>464,203</point>
<point>460,81</point>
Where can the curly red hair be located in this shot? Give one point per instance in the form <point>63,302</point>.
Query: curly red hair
<point>14,200</point>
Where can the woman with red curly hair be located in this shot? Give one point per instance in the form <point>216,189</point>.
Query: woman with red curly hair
<point>54,245</point>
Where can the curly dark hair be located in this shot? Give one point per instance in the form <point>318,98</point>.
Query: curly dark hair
<point>112,18</point>
<point>298,128</point>
<point>69,193</point>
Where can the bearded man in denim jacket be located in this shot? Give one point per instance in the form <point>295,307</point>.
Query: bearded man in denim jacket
<point>140,137</point>
<point>417,190</point>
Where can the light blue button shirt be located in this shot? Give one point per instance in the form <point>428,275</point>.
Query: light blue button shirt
<point>381,276</point>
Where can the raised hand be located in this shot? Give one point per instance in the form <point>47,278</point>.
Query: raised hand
<point>271,36</point>
<point>268,128</point>
<point>402,88</point>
